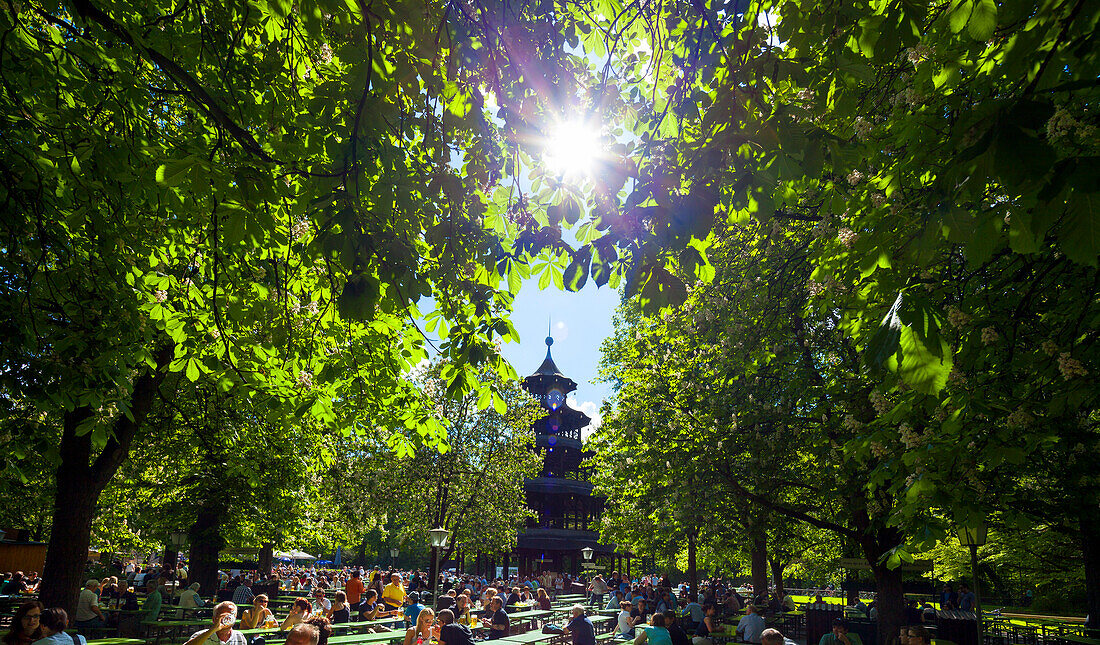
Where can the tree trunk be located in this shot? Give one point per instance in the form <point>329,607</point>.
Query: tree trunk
<point>693,572</point>
<point>361,553</point>
<point>890,601</point>
<point>1089,520</point>
<point>760,564</point>
<point>267,555</point>
<point>206,543</point>
<point>777,575</point>
<point>80,479</point>
<point>889,598</point>
<point>74,507</point>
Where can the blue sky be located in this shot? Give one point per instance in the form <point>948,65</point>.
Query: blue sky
<point>580,322</point>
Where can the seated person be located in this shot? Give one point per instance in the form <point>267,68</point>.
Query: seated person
<point>299,613</point>
<point>53,622</point>
<point>654,633</point>
<point>918,635</point>
<point>258,615</point>
<point>624,627</point>
<point>412,610</point>
<point>580,628</point>
<point>775,637</point>
<point>340,612</point>
<point>225,614</point>
<point>638,615</point>
<point>498,623</point>
<point>704,628</point>
<point>451,632</point>
<point>675,631</point>
<point>840,635</point>
<point>751,625</point>
<point>423,628</point>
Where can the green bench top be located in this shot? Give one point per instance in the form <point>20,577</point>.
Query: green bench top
<point>528,638</point>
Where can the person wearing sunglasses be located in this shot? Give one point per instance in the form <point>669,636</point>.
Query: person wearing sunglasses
<point>25,627</point>
<point>258,615</point>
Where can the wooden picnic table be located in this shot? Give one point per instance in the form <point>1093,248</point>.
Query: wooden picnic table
<point>117,641</point>
<point>1083,640</point>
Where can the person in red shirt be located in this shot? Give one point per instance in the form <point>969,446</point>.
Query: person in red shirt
<point>354,589</point>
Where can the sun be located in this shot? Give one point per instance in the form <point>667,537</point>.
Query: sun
<point>572,148</point>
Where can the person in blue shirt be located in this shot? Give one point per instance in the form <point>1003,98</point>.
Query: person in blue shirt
<point>580,628</point>
<point>967,599</point>
<point>751,625</point>
<point>413,609</point>
<point>54,622</point>
<point>615,601</point>
<point>655,633</point>
<point>695,610</point>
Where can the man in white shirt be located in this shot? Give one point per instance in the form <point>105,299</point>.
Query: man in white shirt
<point>751,625</point>
<point>87,612</point>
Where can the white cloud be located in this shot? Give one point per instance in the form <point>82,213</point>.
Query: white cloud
<point>590,408</point>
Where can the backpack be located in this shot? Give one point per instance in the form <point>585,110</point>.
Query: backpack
<point>550,628</point>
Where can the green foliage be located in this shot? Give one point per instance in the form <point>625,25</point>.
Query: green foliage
<point>472,486</point>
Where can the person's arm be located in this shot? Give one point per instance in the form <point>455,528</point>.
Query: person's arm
<point>292,619</point>
<point>640,638</point>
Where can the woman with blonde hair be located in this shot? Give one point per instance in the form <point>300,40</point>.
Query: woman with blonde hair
<point>487,600</point>
<point>258,615</point>
<point>423,630</point>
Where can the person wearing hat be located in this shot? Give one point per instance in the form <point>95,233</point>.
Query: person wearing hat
<point>412,609</point>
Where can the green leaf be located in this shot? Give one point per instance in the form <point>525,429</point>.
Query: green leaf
<point>603,258</point>
<point>1080,236</point>
<point>959,14</point>
<point>924,365</point>
<point>983,20</point>
<point>576,274</point>
<point>884,342</point>
<point>192,370</point>
<point>174,172</point>
<point>359,297</point>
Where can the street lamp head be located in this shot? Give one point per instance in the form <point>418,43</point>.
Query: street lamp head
<point>393,552</point>
<point>177,540</point>
<point>439,537</point>
<point>973,536</point>
<point>587,552</point>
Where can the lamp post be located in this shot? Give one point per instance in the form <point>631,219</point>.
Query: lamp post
<point>176,541</point>
<point>975,537</point>
<point>438,537</point>
<point>393,556</point>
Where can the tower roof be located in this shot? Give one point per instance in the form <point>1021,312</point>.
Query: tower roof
<point>548,368</point>
<point>548,375</point>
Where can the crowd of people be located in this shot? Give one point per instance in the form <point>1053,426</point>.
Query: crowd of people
<point>650,610</point>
